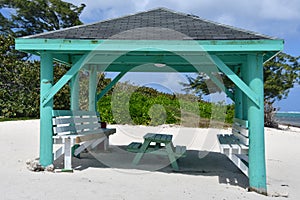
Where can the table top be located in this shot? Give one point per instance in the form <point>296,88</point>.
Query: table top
<point>154,137</point>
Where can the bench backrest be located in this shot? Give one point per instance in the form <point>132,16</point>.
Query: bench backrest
<point>74,122</point>
<point>240,130</point>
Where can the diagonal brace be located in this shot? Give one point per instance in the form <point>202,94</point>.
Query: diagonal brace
<point>236,80</point>
<point>63,80</point>
<point>110,85</point>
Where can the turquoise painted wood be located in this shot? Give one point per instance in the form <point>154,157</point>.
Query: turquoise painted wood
<point>68,45</point>
<point>74,87</point>
<point>238,97</point>
<point>110,85</point>
<point>257,163</point>
<point>46,142</point>
<point>245,78</point>
<point>92,89</point>
<point>236,80</point>
<point>63,80</point>
<point>224,53</point>
<point>159,139</point>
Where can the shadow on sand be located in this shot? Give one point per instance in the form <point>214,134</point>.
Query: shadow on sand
<point>197,163</point>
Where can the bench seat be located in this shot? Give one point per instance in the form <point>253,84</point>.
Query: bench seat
<point>77,131</point>
<point>236,145</point>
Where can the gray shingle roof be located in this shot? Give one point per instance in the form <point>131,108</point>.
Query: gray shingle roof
<point>157,24</point>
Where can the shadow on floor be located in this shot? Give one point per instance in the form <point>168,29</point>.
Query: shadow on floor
<point>199,163</point>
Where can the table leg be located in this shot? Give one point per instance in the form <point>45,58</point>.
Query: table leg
<point>171,156</point>
<point>140,154</point>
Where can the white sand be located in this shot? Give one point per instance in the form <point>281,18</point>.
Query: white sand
<point>202,175</point>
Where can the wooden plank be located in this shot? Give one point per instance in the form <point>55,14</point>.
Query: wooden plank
<point>149,136</point>
<point>56,113</point>
<point>58,153</point>
<point>241,122</point>
<point>164,137</point>
<point>157,138</point>
<point>242,139</point>
<point>73,113</point>
<point>243,157</point>
<point>64,130</point>
<point>82,113</point>
<point>63,120</point>
<point>236,80</point>
<point>134,147</point>
<point>63,80</point>
<point>241,165</point>
<point>241,130</point>
<point>86,127</point>
<point>91,136</point>
<point>92,119</point>
<point>169,138</point>
<point>71,120</point>
<point>95,134</point>
<point>68,154</point>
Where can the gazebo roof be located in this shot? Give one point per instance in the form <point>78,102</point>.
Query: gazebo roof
<point>150,24</point>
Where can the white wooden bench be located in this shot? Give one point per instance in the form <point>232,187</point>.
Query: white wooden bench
<point>236,145</point>
<point>80,129</point>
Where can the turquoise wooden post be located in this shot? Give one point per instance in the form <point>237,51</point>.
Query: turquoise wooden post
<point>257,165</point>
<point>245,78</point>
<point>92,89</point>
<point>238,98</point>
<point>74,87</point>
<point>46,142</point>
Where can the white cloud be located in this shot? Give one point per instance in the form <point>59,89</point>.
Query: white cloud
<point>280,18</point>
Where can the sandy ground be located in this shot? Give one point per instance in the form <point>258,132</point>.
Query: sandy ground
<point>204,173</point>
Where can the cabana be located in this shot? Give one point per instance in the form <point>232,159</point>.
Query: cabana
<point>162,37</point>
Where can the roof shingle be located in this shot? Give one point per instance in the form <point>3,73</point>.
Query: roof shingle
<point>157,24</point>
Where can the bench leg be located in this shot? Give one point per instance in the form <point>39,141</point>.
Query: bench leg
<point>82,147</point>
<point>68,155</point>
<point>171,156</point>
<point>106,143</point>
<point>140,154</point>
<point>58,153</point>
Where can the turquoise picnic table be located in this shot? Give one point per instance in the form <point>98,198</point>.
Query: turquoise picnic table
<point>163,145</point>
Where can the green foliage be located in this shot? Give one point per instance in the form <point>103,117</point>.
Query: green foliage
<point>37,16</point>
<point>20,84</point>
<point>280,75</point>
<point>129,104</point>
<point>19,79</point>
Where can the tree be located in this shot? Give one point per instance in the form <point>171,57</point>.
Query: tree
<point>37,16</point>
<point>20,83</point>
<point>19,77</point>
<point>280,75</point>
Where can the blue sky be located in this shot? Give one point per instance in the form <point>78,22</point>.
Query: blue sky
<point>278,18</point>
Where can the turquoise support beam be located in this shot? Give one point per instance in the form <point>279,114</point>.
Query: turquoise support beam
<point>92,89</point>
<point>68,45</point>
<point>110,85</point>
<point>235,79</point>
<point>64,80</point>
<point>46,141</point>
<point>74,87</point>
<point>238,97</point>
<point>245,78</point>
<point>257,163</point>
